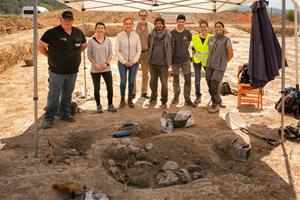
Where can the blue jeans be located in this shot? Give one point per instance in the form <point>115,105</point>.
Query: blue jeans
<point>61,87</point>
<point>197,70</point>
<point>123,78</point>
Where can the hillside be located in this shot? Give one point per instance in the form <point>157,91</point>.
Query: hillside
<point>15,6</point>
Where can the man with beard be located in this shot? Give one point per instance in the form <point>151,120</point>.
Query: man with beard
<point>160,58</point>
<point>143,28</point>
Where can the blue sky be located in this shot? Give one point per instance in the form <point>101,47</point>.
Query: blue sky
<point>277,4</point>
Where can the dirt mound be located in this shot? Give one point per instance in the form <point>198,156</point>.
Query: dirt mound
<point>290,31</point>
<point>14,53</point>
<point>234,17</point>
<point>14,24</point>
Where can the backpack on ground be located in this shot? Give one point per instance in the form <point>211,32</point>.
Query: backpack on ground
<point>225,89</point>
<point>291,102</point>
<point>244,74</point>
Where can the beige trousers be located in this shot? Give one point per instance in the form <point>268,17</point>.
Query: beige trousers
<point>145,73</point>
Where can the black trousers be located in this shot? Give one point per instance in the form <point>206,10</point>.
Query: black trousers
<point>214,79</point>
<point>107,76</point>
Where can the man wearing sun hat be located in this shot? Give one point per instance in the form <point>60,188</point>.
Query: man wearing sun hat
<point>62,45</point>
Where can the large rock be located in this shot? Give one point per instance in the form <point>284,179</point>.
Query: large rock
<point>142,162</point>
<point>148,146</point>
<point>168,178</point>
<point>170,166</point>
<point>114,170</point>
<point>233,148</point>
<point>111,162</point>
<point>184,175</point>
<point>133,149</point>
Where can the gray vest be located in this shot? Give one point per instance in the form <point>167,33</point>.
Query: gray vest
<point>217,58</point>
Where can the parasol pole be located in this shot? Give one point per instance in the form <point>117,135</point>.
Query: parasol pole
<point>84,60</point>
<point>296,45</point>
<point>215,12</point>
<point>35,81</point>
<point>283,21</point>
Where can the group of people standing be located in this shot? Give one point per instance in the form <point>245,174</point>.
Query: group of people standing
<point>155,48</point>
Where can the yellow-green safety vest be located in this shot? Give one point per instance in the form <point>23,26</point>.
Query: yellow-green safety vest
<point>201,50</point>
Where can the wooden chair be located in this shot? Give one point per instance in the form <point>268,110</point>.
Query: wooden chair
<point>246,94</point>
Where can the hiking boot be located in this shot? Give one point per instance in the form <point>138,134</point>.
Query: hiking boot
<point>99,109</point>
<point>197,100</point>
<point>214,109</point>
<point>145,95</point>
<point>209,104</point>
<point>69,118</point>
<point>111,108</point>
<point>222,105</point>
<point>130,103</point>
<point>152,101</point>
<point>163,106</point>
<point>48,124</point>
<point>122,102</point>
<point>190,103</point>
<point>175,100</point>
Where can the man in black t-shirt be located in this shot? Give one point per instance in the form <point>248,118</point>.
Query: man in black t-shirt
<point>181,60</point>
<point>62,45</point>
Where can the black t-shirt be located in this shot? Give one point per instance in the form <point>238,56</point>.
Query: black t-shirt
<point>64,49</point>
<point>181,41</point>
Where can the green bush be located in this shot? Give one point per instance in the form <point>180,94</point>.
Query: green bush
<point>290,15</point>
<point>15,6</point>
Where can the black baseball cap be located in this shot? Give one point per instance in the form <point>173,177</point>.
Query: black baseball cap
<point>67,15</point>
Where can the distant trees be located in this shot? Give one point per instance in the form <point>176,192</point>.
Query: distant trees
<point>15,6</point>
<point>290,15</point>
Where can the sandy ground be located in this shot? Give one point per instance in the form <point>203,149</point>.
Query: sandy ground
<point>270,173</point>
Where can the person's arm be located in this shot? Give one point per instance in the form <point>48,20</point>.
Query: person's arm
<point>149,39</point>
<point>171,43</point>
<point>193,51</point>
<point>117,51</point>
<point>189,38</point>
<point>83,43</point>
<point>188,44</point>
<point>138,50</point>
<point>92,61</point>
<point>229,50</point>
<point>83,47</point>
<point>110,53</point>
<point>43,48</point>
<point>90,55</point>
<point>94,64</point>
<point>229,53</point>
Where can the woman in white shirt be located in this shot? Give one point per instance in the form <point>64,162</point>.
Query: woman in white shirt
<point>100,54</point>
<point>128,52</point>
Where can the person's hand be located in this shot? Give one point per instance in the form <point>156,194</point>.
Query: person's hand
<point>99,68</point>
<point>128,64</point>
<point>104,66</point>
